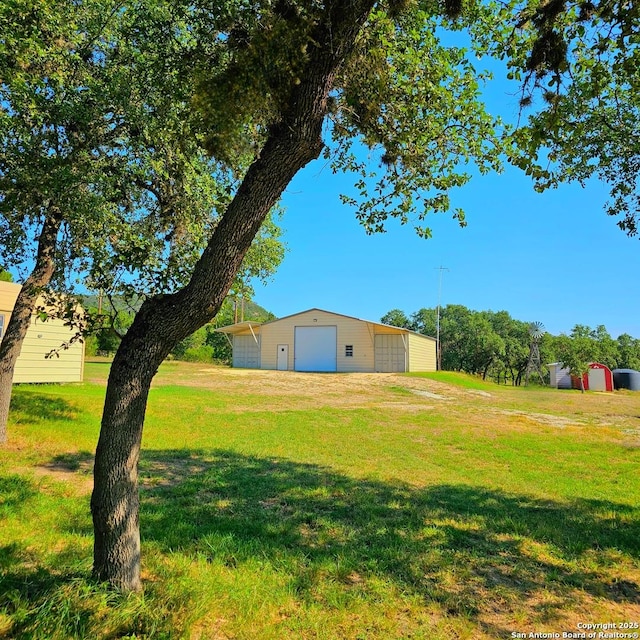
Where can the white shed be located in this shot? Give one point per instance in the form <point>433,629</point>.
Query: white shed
<point>559,376</point>
<point>42,338</point>
<point>317,340</point>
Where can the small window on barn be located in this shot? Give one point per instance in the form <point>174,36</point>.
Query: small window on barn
<point>348,351</point>
<point>1,324</point>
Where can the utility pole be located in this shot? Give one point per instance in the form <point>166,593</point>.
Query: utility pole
<point>438,348</point>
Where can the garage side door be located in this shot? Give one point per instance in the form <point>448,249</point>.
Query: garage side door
<point>246,353</point>
<point>390,353</point>
<point>315,348</point>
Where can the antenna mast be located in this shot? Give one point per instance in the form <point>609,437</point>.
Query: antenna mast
<point>438,348</point>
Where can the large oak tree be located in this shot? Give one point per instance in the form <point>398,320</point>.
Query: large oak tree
<point>100,170</point>
<point>286,81</point>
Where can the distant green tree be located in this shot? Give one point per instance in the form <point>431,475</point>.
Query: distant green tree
<point>512,362</point>
<point>5,276</point>
<point>396,318</point>
<point>468,341</point>
<point>424,321</point>
<point>575,353</point>
<point>628,352</point>
<point>608,351</point>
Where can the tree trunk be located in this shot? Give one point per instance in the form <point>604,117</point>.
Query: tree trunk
<point>165,320</point>
<point>20,320</point>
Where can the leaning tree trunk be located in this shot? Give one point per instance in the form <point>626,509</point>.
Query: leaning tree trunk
<point>164,320</point>
<point>23,310</point>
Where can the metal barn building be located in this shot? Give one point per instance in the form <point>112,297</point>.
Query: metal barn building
<point>42,337</point>
<point>317,340</point>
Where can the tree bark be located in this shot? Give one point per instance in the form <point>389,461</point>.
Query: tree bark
<point>165,320</point>
<point>20,320</point>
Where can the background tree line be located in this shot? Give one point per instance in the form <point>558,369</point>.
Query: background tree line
<point>496,346</point>
<point>203,345</point>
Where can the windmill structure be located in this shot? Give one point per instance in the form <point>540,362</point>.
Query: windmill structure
<point>534,365</point>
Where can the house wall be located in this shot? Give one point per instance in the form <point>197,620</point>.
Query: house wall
<point>422,353</point>
<point>350,331</point>
<point>43,337</point>
<point>600,377</point>
<point>559,377</point>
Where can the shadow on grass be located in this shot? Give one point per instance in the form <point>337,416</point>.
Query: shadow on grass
<point>30,406</point>
<point>471,550</point>
<point>72,462</point>
<point>61,602</point>
<point>461,546</point>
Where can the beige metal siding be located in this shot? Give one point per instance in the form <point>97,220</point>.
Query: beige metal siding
<point>350,331</point>
<point>8,294</point>
<point>422,353</point>
<point>391,353</point>
<point>41,339</point>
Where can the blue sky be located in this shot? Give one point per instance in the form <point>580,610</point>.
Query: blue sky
<point>554,257</point>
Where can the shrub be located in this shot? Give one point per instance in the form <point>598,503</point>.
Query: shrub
<point>203,353</point>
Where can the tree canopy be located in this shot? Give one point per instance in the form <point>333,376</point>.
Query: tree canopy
<point>102,176</point>
<point>579,67</point>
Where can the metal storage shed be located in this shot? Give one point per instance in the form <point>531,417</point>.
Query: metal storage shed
<point>42,338</point>
<point>323,341</point>
<point>559,376</point>
<point>599,378</point>
<point>626,379</point>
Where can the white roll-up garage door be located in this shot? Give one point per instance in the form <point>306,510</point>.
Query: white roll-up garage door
<point>315,348</point>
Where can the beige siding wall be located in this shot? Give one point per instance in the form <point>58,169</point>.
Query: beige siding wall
<point>422,353</point>
<point>42,338</point>
<point>8,294</point>
<point>349,332</point>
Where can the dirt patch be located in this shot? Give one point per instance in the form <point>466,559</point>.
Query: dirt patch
<point>430,394</point>
<point>560,422</point>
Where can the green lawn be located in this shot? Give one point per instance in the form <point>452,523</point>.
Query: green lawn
<point>283,505</point>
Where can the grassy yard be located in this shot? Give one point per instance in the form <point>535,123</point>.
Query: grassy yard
<point>282,505</point>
